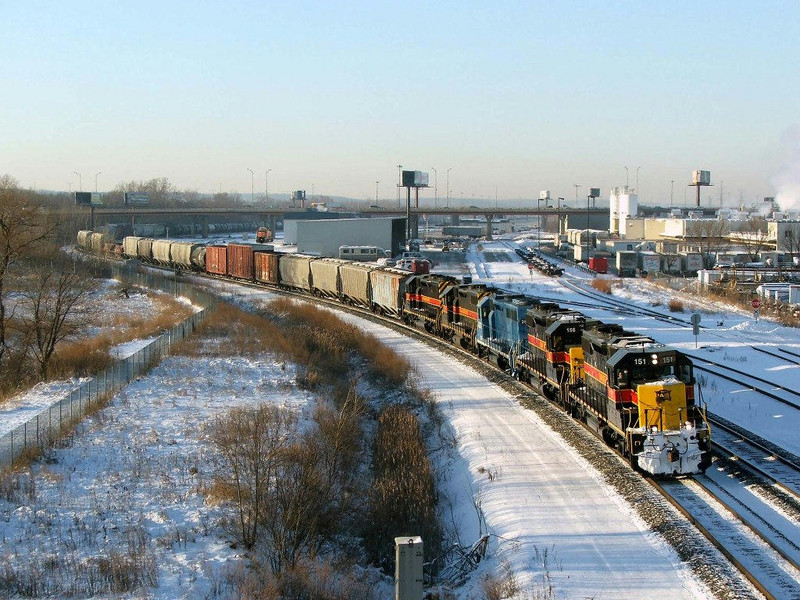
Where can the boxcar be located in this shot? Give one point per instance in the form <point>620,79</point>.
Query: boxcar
<point>295,271</point>
<point>240,261</point>
<point>266,267</point>
<point>355,285</point>
<point>217,260</point>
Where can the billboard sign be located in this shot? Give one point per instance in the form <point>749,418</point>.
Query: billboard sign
<point>83,198</point>
<point>136,198</point>
<point>415,179</point>
<point>88,198</point>
<point>701,177</point>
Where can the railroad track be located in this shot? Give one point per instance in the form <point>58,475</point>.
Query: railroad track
<point>768,562</point>
<point>615,470</point>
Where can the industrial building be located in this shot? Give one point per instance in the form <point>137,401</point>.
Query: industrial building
<point>323,237</point>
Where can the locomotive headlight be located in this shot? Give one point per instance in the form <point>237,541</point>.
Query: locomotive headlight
<point>654,358</point>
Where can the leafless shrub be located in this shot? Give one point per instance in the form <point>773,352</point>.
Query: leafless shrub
<point>308,581</point>
<point>675,305</point>
<point>17,485</point>
<point>503,585</point>
<point>250,442</point>
<point>602,285</point>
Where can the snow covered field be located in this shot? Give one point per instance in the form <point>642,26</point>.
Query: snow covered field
<point>555,524</point>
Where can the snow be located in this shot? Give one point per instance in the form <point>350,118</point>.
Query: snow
<point>554,521</point>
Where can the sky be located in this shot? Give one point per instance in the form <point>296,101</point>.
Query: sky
<point>493,100</point>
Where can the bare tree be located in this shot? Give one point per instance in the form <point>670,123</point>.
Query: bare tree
<point>52,308</point>
<point>22,226</point>
<point>711,236</point>
<point>251,442</point>
<point>790,242</point>
<point>753,237</point>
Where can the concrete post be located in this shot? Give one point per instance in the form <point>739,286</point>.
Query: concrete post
<point>408,568</point>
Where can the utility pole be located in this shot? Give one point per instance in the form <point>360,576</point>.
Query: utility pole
<point>577,186</point>
<point>435,187</point>
<point>376,192</point>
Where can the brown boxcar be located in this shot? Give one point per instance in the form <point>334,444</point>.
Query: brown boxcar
<point>266,267</point>
<point>240,261</point>
<point>217,260</point>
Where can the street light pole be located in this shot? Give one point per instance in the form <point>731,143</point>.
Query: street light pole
<point>96,175</point>
<point>671,189</point>
<point>538,226</point>
<point>435,187</point>
<point>399,182</point>
<point>376,192</point>
<point>577,187</point>
<point>252,189</point>
<point>637,179</point>
<point>626,177</point>
<point>266,185</point>
<point>80,181</point>
<point>448,187</point>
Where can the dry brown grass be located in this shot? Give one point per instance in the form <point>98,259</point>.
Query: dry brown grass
<point>675,305</point>
<point>89,356</point>
<point>605,285</point>
<point>318,341</point>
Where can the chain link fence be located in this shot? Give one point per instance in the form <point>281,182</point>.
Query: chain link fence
<point>40,431</point>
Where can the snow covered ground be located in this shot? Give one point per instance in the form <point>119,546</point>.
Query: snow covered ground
<point>555,523</point>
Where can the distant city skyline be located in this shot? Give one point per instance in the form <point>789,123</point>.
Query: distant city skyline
<point>502,100</point>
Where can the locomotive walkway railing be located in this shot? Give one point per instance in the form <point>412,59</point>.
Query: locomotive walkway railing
<point>41,430</point>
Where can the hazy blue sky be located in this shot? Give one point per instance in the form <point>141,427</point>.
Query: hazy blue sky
<point>514,97</point>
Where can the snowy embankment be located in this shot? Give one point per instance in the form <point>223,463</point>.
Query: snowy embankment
<point>557,523</point>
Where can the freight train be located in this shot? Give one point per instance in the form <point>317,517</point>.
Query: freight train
<point>634,393</point>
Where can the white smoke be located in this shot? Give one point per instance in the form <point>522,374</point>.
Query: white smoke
<point>787,179</point>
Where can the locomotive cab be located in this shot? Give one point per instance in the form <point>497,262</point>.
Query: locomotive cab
<point>641,396</point>
<point>666,433</point>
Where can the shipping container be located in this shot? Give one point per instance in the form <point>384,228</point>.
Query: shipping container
<point>354,281</point>
<point>649,262</point>
<point>599,264</point>
<point>217,260</point>
<point>388,290</point>
<point>581,253</point>
<point>692,262</point>
<point>325,276</point>
<point>295,271</point>
<point>266,267</point>
<point>627,263</point>
<point>240,261</point>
